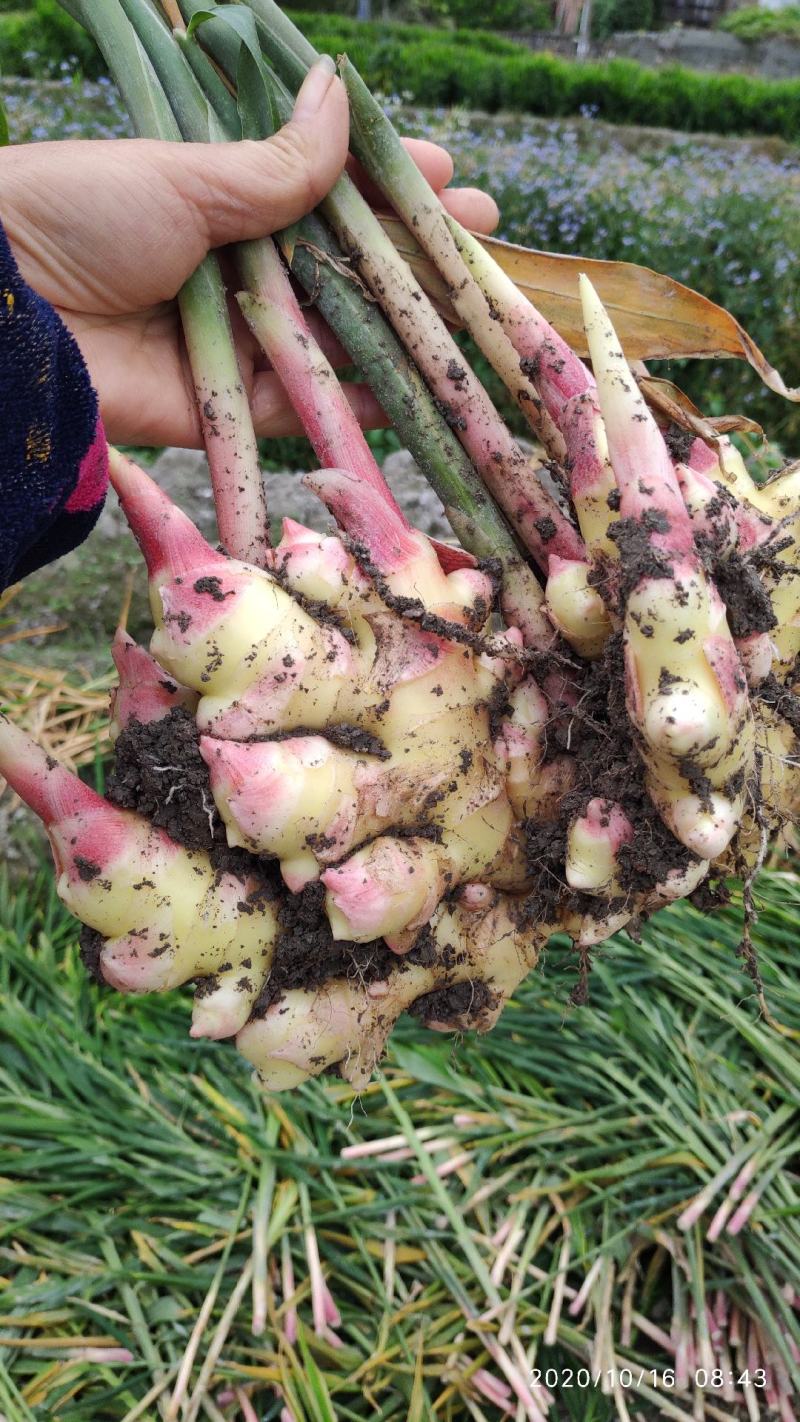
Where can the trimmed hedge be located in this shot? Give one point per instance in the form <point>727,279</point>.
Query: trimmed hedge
<point>346,31</point>
<point>611,16</point>
<point>478,70</point>
<point>36,41</point>
<point>619,90</point>
<point>753,23</point>
<point>459,14</point>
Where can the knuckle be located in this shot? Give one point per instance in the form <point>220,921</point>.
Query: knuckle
<point>297,160</point>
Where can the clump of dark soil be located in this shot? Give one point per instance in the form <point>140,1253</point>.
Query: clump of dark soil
<point>341,734</point>
<point>307,955</point>
<point>679,441</point>
<point>608,768</point>
<point>414,609</point>
<point>316,607</point>
<point>710,896</point>
<point>746,599</point>
<point>638,559</point>
<point>467,1002</point>
<point>91,944</point>
<point>422,952</point>
<point>213,588</point>
<point>545,848</point>
<point>160,773</point>
<point>782,700</point>
<point>263,874</point>
<point>87,869</point>
<point>499,707</point>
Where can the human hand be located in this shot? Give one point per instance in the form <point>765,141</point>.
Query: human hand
<point>108,231</point>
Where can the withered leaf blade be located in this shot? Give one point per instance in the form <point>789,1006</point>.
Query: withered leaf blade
<point>674,405</point>
<point>655,316</point>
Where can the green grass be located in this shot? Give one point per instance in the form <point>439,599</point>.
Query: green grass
<point>144,1176</point>
<point>93,580</point>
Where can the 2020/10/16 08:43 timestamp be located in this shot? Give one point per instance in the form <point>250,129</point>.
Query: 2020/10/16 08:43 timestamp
<point>711,1379</point>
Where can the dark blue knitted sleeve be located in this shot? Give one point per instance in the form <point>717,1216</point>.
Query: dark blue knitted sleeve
<point>53,458</point>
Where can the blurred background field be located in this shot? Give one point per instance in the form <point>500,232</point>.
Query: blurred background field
<point>528,1214</point>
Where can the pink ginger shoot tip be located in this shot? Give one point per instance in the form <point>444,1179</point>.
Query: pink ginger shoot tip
<point>169,541</point>
<point>367,517</point>
<point>47,787</point>
<point>145,692</point>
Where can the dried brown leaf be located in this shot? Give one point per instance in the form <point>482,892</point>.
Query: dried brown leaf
<point>655,316</point>
<point>670,402</point>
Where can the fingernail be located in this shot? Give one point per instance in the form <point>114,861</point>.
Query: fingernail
<point>315,86</point>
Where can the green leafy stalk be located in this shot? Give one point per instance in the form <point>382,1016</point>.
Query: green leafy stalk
<point>218,37</point>
<point>196,121</point>
<point>501,464</point>
<point>272,312</point>
<point>389,165</point>
<point>224,408</point>
<point>317,261</point>
<point>375,350</point>
<point>268,303</point>
<point>219,97</point>
<point>133,74</point>
<point>296,48</point>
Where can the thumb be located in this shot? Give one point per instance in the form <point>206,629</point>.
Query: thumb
<point>249,189</point>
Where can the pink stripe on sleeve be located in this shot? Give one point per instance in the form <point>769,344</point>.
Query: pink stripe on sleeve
<point>93,475</point>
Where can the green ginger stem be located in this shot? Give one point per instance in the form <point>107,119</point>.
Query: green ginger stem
<point>504,468</point>
<point>131,46</point>
<point>501,464</point>
<point>377,146</point>
<point>375,350</point>
<point>219,97</point>
<point>317,261</point>
<point>393,170</point>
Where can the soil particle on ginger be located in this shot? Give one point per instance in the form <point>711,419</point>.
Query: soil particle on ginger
<point>607,771</point>
<point>638,559</point>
